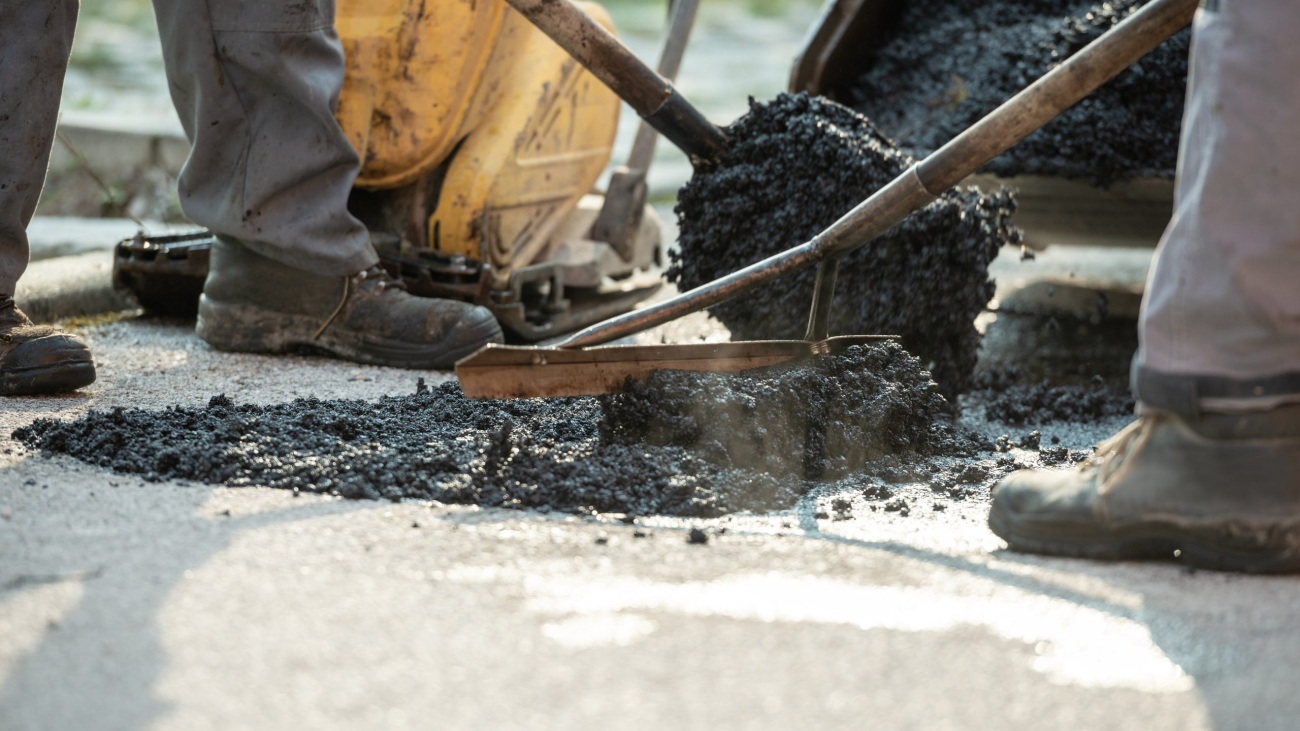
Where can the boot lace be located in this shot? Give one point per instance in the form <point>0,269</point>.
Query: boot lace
<point>1111,454</point>
<point>376,279</point>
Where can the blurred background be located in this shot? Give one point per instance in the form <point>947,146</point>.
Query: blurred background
<point>738,49</point>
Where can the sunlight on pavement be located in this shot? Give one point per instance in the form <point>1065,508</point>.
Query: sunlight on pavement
<point>26,616</point>
<point>1072,644</point>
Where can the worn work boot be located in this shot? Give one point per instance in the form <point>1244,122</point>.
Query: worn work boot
<point>39,359</point>
<point>1220,492</point>
<point>257,305</point>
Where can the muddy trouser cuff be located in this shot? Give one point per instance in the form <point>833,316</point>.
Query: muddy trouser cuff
<point>256,85</point>
<point>1190,395</point>
<point>35,40</point>
<point>1220,323</point>
<point>333,266</point>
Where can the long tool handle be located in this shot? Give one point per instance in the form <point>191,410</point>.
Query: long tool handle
<point>670,60</point>
<point>1038,104</point>
<point>652,96</point>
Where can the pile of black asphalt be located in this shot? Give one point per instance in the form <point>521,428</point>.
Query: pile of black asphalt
<point>796,165</point>
<point>687,444</point>
<point>1045,402</point>
<point>822,419</point>
<point>677,443</point>
<point>947,63</point>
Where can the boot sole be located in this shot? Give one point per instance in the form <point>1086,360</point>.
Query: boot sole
<point>264,331</point>
<point>48,379</point>
<point>1142,542</point>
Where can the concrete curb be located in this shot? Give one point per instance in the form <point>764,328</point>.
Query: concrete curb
<point>55,236</point>
<point>116,146</point>
<point>70,286</point>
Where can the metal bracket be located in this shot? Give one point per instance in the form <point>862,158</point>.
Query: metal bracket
<point>819,318</point>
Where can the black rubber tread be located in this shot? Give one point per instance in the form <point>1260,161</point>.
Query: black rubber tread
<point>263,331</point>
<point>1142,542</point>
<point>402,354</point>
<point>48,379</point>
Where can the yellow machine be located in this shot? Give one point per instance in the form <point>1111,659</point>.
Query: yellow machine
<point>481,143</point>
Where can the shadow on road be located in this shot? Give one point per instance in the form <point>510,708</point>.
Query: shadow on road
<point>98,667</point>
<point>1234,635</point>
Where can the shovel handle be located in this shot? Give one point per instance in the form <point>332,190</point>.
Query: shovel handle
<point>1033,107</point>
<point>653,97</point>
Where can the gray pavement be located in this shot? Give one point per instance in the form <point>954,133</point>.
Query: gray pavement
<point>127,605</point>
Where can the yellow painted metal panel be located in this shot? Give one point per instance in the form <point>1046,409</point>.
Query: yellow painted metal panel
<point>415,71</point>
<point>534,128</point>
<point>539,149</point>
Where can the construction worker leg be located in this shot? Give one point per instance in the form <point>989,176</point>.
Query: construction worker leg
<point>1208,473</point>
<point>256,84</point>
<point>35,39</point>
<point>1220,327</point>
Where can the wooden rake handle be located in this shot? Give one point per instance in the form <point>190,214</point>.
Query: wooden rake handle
<point>653,97</point>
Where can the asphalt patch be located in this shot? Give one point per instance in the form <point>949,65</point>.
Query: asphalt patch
<point>824,418</point>
<point>796,165</point>
<point>575,455</point>
<point>947,63</point>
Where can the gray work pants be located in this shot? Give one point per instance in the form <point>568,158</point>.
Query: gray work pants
<point>1220,326</point>
<point>35,38</point>
<point>255,83</point>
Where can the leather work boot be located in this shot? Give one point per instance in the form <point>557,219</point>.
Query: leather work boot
<point>254,304</point>
<point>39,359</point>
<point>1221,492</point>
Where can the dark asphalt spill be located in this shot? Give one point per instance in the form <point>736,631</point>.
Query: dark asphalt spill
<point>685,444</point>
<point>1009,399</point>
<point>949,62</point>
<point>796,165</point>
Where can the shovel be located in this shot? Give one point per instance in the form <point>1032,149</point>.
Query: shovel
<point>647,91</point>
<point>572,368</point>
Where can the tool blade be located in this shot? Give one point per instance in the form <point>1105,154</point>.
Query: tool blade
<point>509,371</point>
